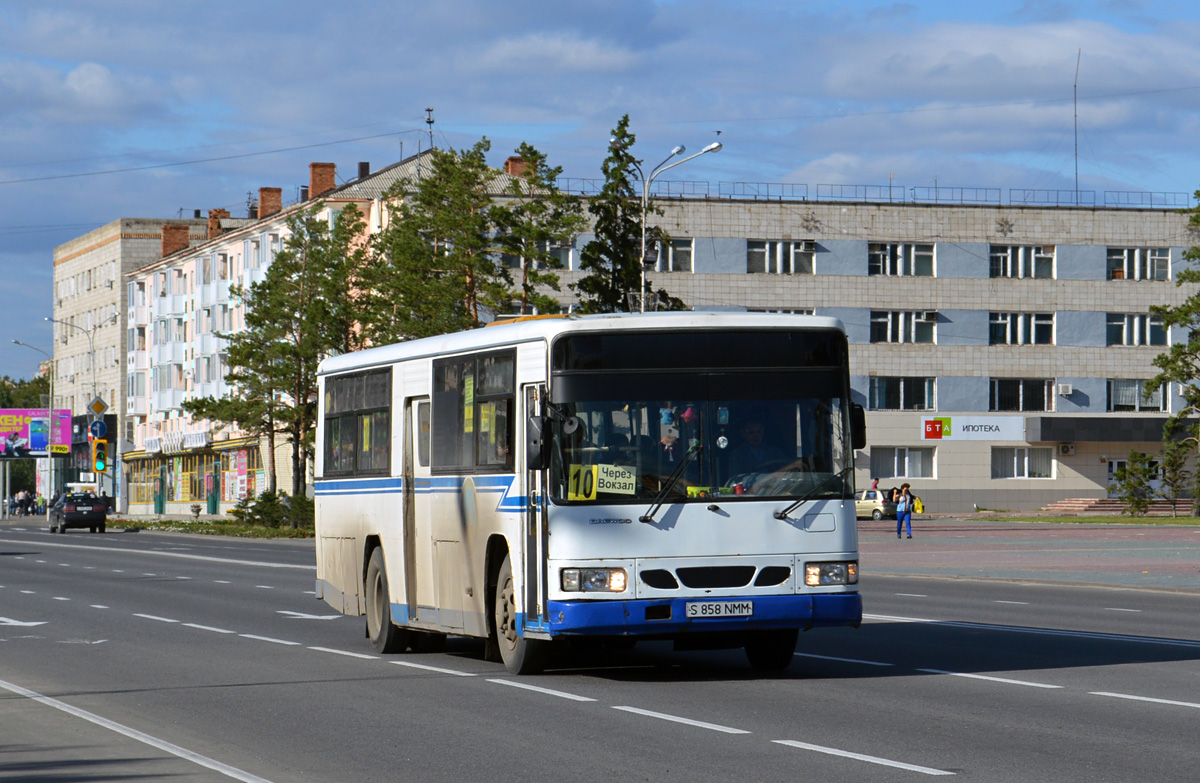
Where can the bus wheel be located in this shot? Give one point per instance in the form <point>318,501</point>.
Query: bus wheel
<point>520,655</point>
<point>385,636</point>
<point>772,651</point>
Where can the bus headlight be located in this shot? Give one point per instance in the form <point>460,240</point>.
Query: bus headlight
<point>821,574</point>
<point>593,580</point>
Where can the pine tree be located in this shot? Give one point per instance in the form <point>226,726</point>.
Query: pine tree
<point>613,260</point>
<point>1133,483</point>
<point>435,268</point>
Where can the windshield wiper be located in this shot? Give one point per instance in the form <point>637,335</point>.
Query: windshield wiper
<point>812,492</point>
<point>670,484</point>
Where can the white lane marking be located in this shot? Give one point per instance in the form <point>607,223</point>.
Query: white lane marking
<point>268,639</point>
<point>118,571</point>
<point>304,616</point>
<point>152,617</point>
<point>39,561</point>
<point>842,660</point>
<point>29,592</point>
<point>184,555</point>
<point>437,669</point>
<point>990,679</point>
<point>10,621</point>
<point>61,598</point>
<point>1015,603</point>
<point>861,757</point>
<point>345,652</point>
<point>1115,609</point>
<point>912,595</point>
<point>547,691</point>
<point>221,581</point>
<point>677,719</point>
<point>208,628</point>
<point>1108,637</point>
<point>98,606</point>
<point>1146,698</point>
<point>265,587</point>
<point>134,734</point>
<point>183,577</point>
<point>64,565</point>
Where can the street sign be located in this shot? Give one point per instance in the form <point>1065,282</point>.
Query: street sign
<point>97,406</point>
<point>97,428</point>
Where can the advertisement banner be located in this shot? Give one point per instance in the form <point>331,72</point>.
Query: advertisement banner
<point>954,428</point>
<point>27,432</point>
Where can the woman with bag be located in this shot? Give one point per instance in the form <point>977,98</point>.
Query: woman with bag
<point>904,509</point>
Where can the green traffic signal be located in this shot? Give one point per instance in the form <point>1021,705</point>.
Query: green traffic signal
<point>100,456</point>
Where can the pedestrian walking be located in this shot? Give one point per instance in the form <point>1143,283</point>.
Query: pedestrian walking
<point>904,509</point>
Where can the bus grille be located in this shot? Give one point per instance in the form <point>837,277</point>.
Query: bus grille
<point>716,576</point>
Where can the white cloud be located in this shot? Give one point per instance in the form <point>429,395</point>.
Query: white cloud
<point>550,53</point>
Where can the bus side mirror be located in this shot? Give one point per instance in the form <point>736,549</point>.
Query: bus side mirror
<point>858,426</point>
<point>537,443</point>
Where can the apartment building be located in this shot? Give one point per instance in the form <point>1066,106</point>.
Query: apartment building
<point>88,319</point>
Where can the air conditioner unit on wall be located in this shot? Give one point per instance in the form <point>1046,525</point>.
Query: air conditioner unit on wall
<point>1066,449</point>
<point>1065,390</point>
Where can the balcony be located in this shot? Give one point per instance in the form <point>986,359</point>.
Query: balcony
<point>137,360</point>
<point>139,315</point>
<point>135,406</point>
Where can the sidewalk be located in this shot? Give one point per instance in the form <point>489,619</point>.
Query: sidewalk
<point>1147,556</point>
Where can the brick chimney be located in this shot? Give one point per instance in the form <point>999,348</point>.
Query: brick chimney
<point>174,239</point>
<point>214,222</point>
<point>515,166</point>
<point>270,201</point>
<point>321,178</point>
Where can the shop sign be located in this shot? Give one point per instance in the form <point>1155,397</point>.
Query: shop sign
<point>956,428</point>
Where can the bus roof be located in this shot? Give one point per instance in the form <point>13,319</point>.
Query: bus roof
<point>527,330</point>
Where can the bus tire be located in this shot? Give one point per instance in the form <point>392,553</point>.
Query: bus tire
<point>772,651</point>
<point>385,636</point>
<point>520,655</point>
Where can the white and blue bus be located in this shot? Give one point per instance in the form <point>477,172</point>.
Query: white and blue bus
<point>682,476</point>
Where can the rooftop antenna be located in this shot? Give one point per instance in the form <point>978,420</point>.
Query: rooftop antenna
<point>1075,93</point>
<point>429,122</point>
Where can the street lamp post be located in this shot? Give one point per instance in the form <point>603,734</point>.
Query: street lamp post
<point>646,182</point>
<point>49,424</point>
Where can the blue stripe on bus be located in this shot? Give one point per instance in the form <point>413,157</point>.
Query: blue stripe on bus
<point>503,485</point>
<point>771,611</point>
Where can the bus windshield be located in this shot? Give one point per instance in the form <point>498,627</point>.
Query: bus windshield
<point>625,450</point>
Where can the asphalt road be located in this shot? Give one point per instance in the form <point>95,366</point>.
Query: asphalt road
<point>168,657</point>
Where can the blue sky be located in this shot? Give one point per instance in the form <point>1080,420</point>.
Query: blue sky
<point>137,108</point>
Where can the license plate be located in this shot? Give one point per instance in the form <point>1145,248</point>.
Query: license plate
<point>703,609</point>
<point>83,508</point>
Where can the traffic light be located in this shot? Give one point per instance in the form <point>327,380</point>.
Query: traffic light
<point>100,455</point>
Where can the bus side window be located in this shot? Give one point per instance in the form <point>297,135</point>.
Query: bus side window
<point>423,433</point>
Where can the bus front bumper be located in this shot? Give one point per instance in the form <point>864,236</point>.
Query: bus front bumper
<point>668,617</point>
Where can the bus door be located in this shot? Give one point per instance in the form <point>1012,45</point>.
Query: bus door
<point>535,543</point>
<point>418,514</point>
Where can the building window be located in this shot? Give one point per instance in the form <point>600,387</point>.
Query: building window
<point>783,310</point>
<point>901,462</point>
<point>780,258</point>
<point>1021,394</point>
<point>1035,262</point>
<point>902,326</point>
<point>1130,395</point>
<point>901,394</point>
<point>1139,263</point>
<point>1021,329</point>
<point>674,256</point>
<point>1021,462</point>
<point>1129,329</point>
<point>899,259</point>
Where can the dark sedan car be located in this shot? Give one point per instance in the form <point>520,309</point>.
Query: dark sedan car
<point>78,510</point>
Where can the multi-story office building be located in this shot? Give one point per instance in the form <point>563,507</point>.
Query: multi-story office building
<point>1001,350</point>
